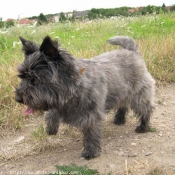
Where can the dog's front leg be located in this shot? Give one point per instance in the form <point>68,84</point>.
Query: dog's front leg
<point>91,141</point>
<point>52,121</point>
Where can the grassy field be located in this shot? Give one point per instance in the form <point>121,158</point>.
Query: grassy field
<point>154,34</point>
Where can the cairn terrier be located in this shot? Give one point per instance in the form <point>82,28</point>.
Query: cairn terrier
<point>80,92</point>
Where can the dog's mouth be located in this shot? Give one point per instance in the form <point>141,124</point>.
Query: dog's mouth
<point>29,111</point>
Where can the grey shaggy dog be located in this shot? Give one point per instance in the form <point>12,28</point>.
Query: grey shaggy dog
<point>80,92</point>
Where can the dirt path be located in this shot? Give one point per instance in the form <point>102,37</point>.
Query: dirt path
<point>123,150</point>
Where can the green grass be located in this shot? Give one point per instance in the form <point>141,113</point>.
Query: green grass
<point>75,170</point>
<point>154,34</point>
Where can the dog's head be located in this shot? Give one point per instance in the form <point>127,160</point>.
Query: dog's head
<point>48,76</point>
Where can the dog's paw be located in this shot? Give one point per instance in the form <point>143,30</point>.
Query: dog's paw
<point>51,131</point>
<point>141,129</point>
<point>89,154</point>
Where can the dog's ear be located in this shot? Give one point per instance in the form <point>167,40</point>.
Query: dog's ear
<point>50,48</point>
<point>29,47</point>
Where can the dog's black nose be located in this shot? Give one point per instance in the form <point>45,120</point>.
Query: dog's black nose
<point>19,99</point>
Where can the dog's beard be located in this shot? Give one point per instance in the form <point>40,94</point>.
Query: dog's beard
<point>41,97</point>
<point>34,101</point>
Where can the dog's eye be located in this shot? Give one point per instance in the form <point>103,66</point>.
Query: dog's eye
<point>32,81</point>
<point>21,76</point>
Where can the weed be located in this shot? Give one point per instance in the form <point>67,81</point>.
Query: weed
<point>156,171</point>
<point>160,102</point>
<point>152,129</point>
<point>75,170</point>
<point>39,134</point>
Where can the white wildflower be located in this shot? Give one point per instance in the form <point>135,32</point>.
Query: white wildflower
<point>16,43</point>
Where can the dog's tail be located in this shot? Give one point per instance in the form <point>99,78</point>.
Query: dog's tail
<point>124,41</point>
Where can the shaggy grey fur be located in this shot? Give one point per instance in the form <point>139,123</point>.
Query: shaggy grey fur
<point>81,91</point>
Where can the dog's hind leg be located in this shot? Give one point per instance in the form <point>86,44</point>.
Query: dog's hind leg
<point>143,108</point>
<point>145,114</point>
<point>120,115</point>
<point>52,121</point>
<point>144,124</point>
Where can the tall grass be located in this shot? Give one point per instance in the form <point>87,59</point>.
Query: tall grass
<point>154,34</point>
